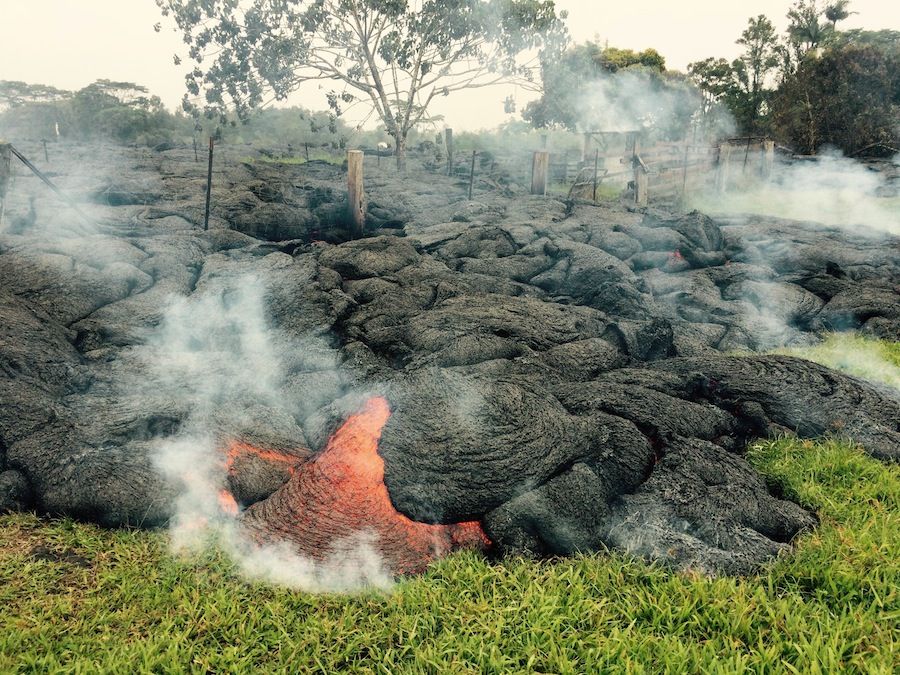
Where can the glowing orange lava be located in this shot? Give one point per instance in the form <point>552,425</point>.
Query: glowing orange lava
<point>237,450</point>
<point>341,492</point>
<point>227,503</point>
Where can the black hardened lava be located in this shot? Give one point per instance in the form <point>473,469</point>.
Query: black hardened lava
<point>565,376</point>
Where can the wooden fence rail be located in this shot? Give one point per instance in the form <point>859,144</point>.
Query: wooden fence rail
<point>661,171</point>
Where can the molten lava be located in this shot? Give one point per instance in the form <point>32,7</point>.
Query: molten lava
<point>341,492</point>
<point>227,503</point>
<point>238,450</point>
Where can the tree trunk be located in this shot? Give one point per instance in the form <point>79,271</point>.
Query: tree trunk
<point>400,151</point>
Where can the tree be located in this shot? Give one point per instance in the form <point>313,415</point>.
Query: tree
<point>760,57</point>
<point>805,29</point>
<point>120,111</point>
<point>14,93</point>
<point>396,56</point>
<point>592,88</point>
<point>612,59</point>
<point>741,84</point>
<point>837,11</point>
<point>848,98</point>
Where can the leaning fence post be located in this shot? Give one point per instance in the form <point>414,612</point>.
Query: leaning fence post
<point>472,175</point>
<point>212,145</point>
<point>641,180</point>
<point>539,170</point>
<point>5,168</point>
<point>641,186</point>
<point>356,197</point>
<point>44,179</point>
<point>448,141</point>
<point>46,154</point>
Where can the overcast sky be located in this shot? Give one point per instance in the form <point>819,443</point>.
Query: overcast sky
<point>71,43</point>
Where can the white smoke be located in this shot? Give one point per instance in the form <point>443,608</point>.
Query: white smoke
<point>832,190</point>
<point>216,355</point>
<point>858,356</point>
<point>632,100</point>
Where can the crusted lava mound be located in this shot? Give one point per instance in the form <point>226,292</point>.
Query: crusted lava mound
<point>341,493</point>
<point>535,376</point>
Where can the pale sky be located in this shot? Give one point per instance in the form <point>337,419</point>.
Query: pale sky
<point>71,43</point>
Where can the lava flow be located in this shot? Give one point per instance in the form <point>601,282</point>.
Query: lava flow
<point>228,504</point>
<point>341,493</point>
<point>238,450</point>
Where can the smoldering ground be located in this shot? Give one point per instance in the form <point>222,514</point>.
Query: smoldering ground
<point>830,189</point>
<point>216,355</point>
<point>548,370</point>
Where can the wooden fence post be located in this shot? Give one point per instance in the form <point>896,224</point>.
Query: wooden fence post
<point>5,168</point>
<point>46,154</point>
<point>306,151</point>
<point>769,158</point>
<point>212,145</point>
<point>746,154</point>
<point>472,176</point>
<point>687,149</point>
<point>724,166</point>
<point>356,195</point>
<point>540,166</point>
<point>641,186</point>
<point>448,141</point>
<point>196,155</point>
<point>596,169</point>
<point>641,180</point>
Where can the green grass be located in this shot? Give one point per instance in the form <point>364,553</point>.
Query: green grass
<point>128,606</point>
<point>869,359</point>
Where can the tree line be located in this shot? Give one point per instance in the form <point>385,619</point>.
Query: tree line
<point>814,86</point>
<point>811,87</point>
<point>122,112</point>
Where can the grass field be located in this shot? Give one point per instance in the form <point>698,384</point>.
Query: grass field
<point>77,598</point>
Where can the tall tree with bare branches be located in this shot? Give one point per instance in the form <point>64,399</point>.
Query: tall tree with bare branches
<point>396,56</point>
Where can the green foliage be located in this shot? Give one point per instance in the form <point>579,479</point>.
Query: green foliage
<point>741,84</point>
<point>837,89</point>
<point>14,94</point>
<point>806,30</point>
<point>887,41</point>
<point>612,59</point>
<point>849,98</point>
<point>866,358</point>
<point>837,11</point>
<point>392,56</point>
<point>122,112</point>
<point>116,601</point>
<point>277,127</point>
